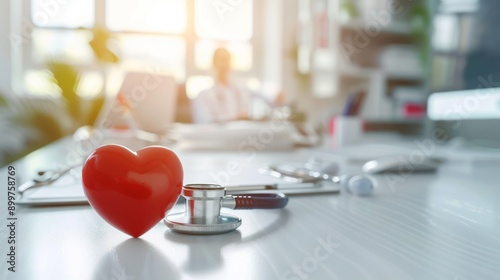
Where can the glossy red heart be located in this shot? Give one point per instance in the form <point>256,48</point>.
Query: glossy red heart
<point>132,191</point>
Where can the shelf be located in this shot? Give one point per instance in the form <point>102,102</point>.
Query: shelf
<point>454,53</point>
<point>401,125</point>
<point>396,121</point>
<point>357,71</point>
<point>402,76</point>
<point>367,72</point>
<point>395,27</point>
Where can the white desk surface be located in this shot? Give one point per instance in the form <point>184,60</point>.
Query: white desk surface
<point>427,226</point>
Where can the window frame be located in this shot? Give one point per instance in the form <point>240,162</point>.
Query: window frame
<point>189,37</point>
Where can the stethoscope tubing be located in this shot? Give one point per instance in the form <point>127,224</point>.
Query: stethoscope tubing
<point>260,201</point>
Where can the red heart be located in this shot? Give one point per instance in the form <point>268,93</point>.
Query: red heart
<point>132,191</point>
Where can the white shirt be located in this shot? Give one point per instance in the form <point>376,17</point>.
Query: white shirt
<point>220,103</point>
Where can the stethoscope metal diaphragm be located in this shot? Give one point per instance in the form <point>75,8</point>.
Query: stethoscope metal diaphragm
<point>181,223</point>
<point>202,214</point>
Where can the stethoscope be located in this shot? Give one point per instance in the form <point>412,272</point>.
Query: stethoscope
<point>202,215</point>
<point>360,185</point>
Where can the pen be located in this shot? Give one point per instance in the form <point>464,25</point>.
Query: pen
<point>288,189</point>
<point>262,187</point>
<point>357,103</point>
<point>348,105</point>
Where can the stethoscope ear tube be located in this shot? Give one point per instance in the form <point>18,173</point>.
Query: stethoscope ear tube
<point>260,201</point>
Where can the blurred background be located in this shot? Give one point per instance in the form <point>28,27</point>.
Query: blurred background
<point>62,59</point>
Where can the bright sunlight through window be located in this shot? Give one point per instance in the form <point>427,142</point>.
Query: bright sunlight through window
<point>69,13</point>
<point>146,15</point>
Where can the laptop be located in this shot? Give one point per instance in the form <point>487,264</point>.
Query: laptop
<point>145,100</point>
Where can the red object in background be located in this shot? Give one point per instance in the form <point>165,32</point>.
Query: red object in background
<point>123,101</point>
<point>132,191</point>
<point>414,110</point>
<point>322,30</point>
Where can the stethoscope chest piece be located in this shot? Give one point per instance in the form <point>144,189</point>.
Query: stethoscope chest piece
<point>181,223</point>
<point>202,215</point>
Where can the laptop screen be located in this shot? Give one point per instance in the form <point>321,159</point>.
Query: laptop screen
<point>146,99</point>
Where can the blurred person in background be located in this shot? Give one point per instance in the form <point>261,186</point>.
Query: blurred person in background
<point>225,101</point>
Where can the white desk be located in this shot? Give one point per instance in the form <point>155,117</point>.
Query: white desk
<point>434,226</point>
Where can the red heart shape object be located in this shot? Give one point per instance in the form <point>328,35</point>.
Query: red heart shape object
<point>132,191</point>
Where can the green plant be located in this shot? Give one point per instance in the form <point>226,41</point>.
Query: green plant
<point>45,124</point>
<point>34,125</point>
<point>104,55</point>
<point>67,78</point>
<point>96,105</point>
<point>3,102</point>
<point>420,20</point>
<point>349,10</point>
<point>29,124</point>
<point>100,46</point>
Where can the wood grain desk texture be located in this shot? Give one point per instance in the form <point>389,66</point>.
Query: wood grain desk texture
<point>444,225</point>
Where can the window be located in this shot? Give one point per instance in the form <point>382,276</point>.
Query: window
<point>68,14</point>
<point>153,53</point>
<point>146,15</point>
<point>224,22</point>
<point>66,45</point>
<point>149,35</point>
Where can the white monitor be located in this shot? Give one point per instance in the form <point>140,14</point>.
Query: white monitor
<point>464,105</point>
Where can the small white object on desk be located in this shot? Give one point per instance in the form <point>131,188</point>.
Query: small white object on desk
<point>347,130</point>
